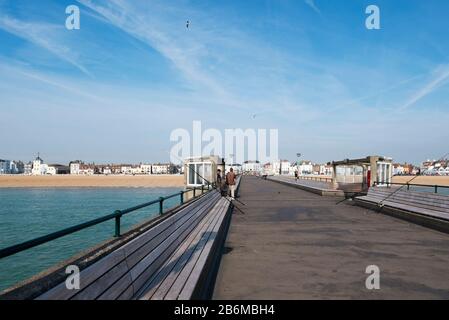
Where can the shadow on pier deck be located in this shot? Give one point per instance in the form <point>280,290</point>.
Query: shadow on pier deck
<point>292,244</point>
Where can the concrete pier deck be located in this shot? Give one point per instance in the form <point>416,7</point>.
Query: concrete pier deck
<point>293,244</point>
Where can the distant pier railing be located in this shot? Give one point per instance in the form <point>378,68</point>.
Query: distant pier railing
<point>433,188</point>
<point>117,215</point>
<point>315,178</point>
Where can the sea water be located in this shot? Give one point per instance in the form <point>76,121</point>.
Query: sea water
<point>27,213</point>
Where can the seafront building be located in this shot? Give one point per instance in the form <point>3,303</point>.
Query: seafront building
<point>252,167</point>
<point>435,167</point>
<point>28,168</point>
<point>39,167</point>
<point>78,167</point>
<point>10,167</point>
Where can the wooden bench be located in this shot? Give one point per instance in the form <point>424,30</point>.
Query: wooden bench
<point>175,259</point>
<point>433,207</point>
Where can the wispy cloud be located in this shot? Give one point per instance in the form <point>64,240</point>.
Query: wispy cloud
<point>440,77</point>
<point>42,35</point>
<point>184,51</point>
<point>311,4</point>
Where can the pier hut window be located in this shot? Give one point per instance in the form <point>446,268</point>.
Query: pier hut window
<point>197,171</point>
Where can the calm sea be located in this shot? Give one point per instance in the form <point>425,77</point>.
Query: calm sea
<point>29,213</point>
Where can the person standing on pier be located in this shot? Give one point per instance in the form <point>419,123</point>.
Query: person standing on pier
<point>230,181</point>
<point>220,183</point>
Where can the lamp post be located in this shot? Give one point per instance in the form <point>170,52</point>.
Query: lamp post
<point>298,155</point>
<point>231,156</point>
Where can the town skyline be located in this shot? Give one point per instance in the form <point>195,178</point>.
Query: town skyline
<point>39,166</point>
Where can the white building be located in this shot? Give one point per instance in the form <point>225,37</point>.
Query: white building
<point>305,167</point>
<point>86,169</point>
<point>267,169</point>
<point>51,170</point>
<point>8,167</point>
<point>145,168</point>
<point>252,167</point>
<point>4,166</point>
<point>75,167</point>
<point>398,169</point>
<point>39,167</point>
<point>28,168</point>
<point>325,170</point>
<point>160,168</point>
<point>281,167</point>
<point>237,168</point>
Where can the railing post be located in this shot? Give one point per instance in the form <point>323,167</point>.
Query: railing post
<point>436,188</point>
<point>408,186</point>
<point>194,192</point>
<point>202,188</point>
<point>161,205</point>
<point>182,197</point>
<point>117,223</point>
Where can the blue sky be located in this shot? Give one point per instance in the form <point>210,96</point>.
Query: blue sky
<point>115,89</point>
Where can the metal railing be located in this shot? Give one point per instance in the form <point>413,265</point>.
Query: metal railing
<point>408,185</point>
<point>117,215</point>
<point>315,178</point>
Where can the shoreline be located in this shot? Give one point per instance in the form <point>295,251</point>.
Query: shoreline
<point>95,181</point>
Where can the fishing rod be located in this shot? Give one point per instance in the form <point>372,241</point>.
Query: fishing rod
<point>209,183</point>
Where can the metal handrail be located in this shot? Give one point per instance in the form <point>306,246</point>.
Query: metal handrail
<point>5,252</point>
<point>314,178</point>
<point>388,184</point>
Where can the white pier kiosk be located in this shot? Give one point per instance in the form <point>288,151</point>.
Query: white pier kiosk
<point>360,174</point>
<point>198,171</point>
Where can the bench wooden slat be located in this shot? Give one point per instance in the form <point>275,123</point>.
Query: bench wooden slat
<point>418,196</point>
<point>151,263</point>
<point>402,197</point>
<point>210,246</point>
<point>200,243</point>
<point>422,211</point>
<point>415,195</point>
<point>380,199</point>
<point>88,275</point>
<point>141,240</point>
<point>167,268</point>
<point>430,195</point>
<point>121,289</point>
<point>431,211</point>
<point>135,260</point>
<point>162,257</point>
<point>102,284</point>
